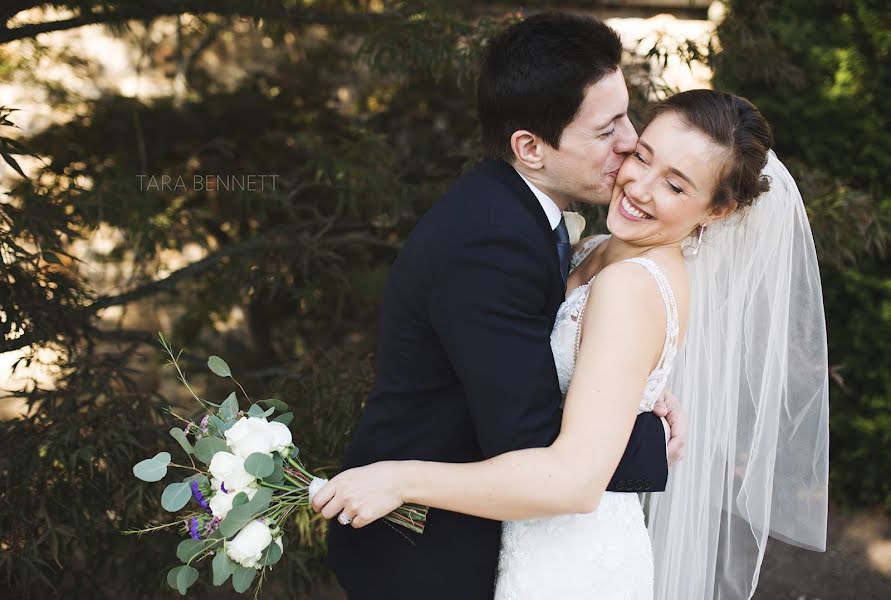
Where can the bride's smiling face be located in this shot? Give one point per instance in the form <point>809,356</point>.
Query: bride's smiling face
<point>665,187</point>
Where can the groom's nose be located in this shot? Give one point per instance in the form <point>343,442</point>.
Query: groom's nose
<point>626,141</point>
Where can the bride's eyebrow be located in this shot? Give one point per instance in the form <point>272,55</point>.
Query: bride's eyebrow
<point>670,169</point>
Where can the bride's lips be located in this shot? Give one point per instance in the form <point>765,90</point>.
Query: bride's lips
<point>631,212</point>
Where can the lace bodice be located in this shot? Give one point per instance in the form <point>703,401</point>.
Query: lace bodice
<point>566,335</point>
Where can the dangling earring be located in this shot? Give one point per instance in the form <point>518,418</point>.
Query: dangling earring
<point>693,250</point>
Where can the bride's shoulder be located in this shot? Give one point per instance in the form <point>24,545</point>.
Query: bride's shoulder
<point>624,284</point>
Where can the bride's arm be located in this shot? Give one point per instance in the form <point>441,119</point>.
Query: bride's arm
<point>623,333</point>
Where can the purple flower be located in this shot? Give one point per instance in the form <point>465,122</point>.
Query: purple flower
<point>211,526</point>
<point>193,528</point>
<point>198,496</point>
<point>223,488</point>
<point>204,422</point>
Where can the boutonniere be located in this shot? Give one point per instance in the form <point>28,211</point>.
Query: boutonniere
<point>575,225</point>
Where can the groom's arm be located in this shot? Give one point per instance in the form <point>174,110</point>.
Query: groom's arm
<point>489,309</point>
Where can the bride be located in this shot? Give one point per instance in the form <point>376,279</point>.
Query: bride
<point>707,281</point>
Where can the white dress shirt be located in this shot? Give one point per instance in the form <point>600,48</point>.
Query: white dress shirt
<point>551,210</point>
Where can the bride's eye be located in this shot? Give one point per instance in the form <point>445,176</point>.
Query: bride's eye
<point>637,155</point>
<point>675,188</point>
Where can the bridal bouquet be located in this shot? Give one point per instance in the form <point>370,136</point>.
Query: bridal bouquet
<point>245,479</point>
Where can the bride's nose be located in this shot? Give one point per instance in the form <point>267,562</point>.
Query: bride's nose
<point>639,191</point>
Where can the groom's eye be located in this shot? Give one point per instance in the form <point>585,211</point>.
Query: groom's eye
<point>608,133</point>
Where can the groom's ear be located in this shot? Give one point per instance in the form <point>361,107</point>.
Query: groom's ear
<point>527,149</point>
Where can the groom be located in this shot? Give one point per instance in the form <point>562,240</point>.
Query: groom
<point>464,364</point>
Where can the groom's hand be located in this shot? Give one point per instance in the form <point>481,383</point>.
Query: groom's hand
<point>670,408</point>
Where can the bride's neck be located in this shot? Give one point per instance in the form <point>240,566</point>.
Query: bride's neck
<point>616,250</point>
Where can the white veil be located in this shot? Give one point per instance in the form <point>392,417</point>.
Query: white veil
<point>753,377</point>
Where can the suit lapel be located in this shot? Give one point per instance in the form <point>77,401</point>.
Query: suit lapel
<point>509,176</point>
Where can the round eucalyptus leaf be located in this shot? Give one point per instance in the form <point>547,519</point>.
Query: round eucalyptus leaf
<point>189,549</point>
<point>180,436</point>
<point>241,515</point>
<point>185,578</point>
<point>285,418</point>
<point>223,568</point>
<point>175,496</point>
<point>219,366</point>
<point>276,404</point>
<point>206,447</point>
<point>242,578</point>
<point>271,555</point>
<point>259,465</point>
<point>229,407</point>
<point>257,411</point>
<point>150,470</point>
<point>162,457</point>
<point>278,472</point>
<point>171,576</point>
<point>239,499</point>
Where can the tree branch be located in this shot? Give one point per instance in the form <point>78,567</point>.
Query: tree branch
<point>281,237</point>
<point>150,10</point>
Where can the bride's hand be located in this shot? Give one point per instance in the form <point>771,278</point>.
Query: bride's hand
<point>363,494</point>
<point>672,413</point>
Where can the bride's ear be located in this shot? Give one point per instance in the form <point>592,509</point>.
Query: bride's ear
<point>720,212</point>
<point>527,149</point>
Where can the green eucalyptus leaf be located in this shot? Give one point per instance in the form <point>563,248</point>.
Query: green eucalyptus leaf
<point>219,366</point>
<point>223,567</point>
<point>189,549</point>
<point>239,499</point>
<point>238,517</point>
<point>278,471</point>
<point>257,411</point>
<point>262,498</point>
<point>242,578</point>
<point>285,418</point>
<point>271,555</point>
<point>243,514</point>
<point>276,404</point>
<point>215,423</point>
<point>150,469</point>
<point>171,576</point>
<point>229,407</point>
<point>180,436</point>
<point>175,496</point>
<point>206,447</point>
<point>259,465</point>
<point>185,578</point>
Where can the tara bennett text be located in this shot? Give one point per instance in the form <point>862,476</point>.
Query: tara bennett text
<point>211,183</point>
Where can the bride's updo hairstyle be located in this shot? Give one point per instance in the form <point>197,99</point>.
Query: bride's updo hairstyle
<point>735,124</point>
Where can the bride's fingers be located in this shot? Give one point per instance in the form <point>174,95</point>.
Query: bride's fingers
<point>322,497</point>
<point>333,507</point>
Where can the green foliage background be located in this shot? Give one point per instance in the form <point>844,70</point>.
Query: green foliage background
<point>365,111</point>
<point>820,73</point>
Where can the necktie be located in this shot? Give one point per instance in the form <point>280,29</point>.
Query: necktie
<point>564,249</point>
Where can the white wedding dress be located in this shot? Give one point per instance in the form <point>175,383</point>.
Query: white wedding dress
<point>605,554</point>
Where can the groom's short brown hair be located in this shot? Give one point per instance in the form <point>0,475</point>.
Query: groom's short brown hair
<point>535,73</point>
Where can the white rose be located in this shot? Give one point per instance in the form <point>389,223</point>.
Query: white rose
<point>229,469</point>
<point>256,434</point>
<point>575,225</point>
<point>247,547</point>
<point>221,502</point>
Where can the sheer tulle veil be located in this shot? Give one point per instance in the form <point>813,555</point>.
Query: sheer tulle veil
<point>753,377</point>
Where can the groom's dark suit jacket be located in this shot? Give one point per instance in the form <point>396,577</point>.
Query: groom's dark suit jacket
<point>465,372</point>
